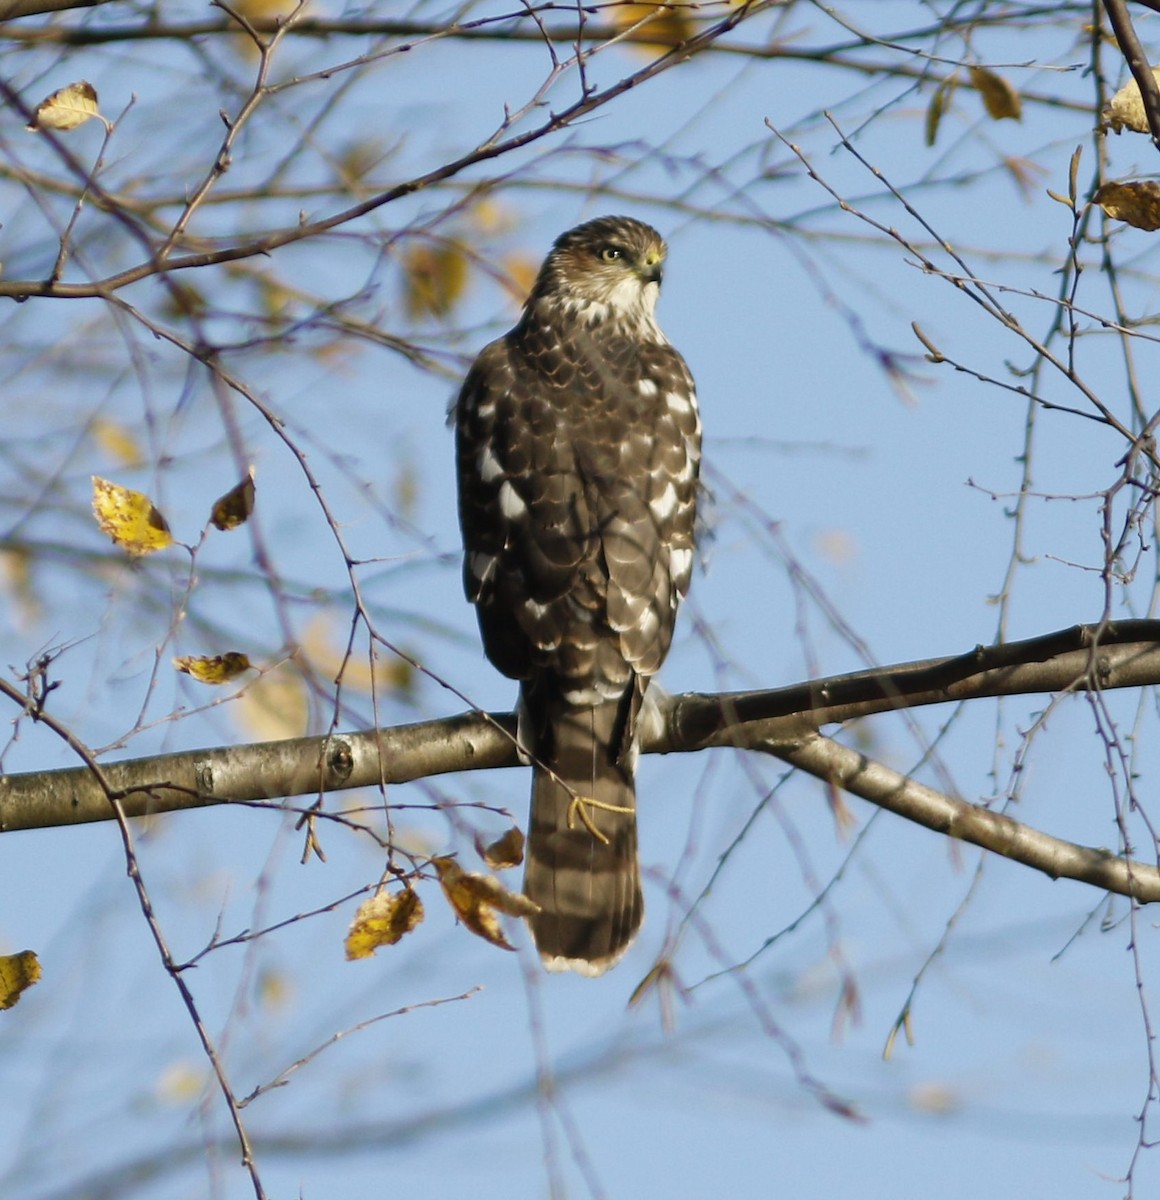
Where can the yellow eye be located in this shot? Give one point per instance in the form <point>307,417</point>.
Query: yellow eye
<point>611,253</point>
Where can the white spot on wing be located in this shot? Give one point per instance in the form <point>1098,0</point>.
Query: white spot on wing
<point>663,506</point>
<point>682,562</point>
<point>489,465</point>
<point>678,402</point>
<point>481,566</point>
<point>510,503</point>
<point>648,388</point>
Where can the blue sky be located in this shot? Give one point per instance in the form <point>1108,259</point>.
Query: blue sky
<point>1028,1064</point>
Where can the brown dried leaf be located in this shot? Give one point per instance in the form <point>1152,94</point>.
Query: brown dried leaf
<point>1000,98</point>
<point>477,899</point>
<point>1026,173</point>
<point>1125,110</point>
<point>505,852</point>
<point>234,508</point>
<point>323,649</point>
<point>1136,203</point>
<point>383,920</point>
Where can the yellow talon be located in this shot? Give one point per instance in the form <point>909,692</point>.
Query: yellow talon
<point>578,810</point>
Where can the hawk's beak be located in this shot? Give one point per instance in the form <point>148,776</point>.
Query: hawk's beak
<point>652,272</point>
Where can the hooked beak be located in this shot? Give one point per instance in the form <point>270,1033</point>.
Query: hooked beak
<point>652,272</point>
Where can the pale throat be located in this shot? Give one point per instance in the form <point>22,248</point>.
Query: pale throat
<point>627,303</point>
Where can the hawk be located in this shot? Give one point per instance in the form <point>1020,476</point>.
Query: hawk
<point>578,446</point>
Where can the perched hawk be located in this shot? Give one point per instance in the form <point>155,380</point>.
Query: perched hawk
<point>578,445</point>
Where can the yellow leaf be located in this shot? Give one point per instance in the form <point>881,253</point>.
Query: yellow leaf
<point>130,518</point>
<point>382,921</point>
<point>276,705</point>
<point>16,578</point>
<point>274,990</point>
<point>1000,99</point>
<point>234,508</point>
<point>1136,203</point>
<point>17,973</point>
<point>477,899</point>
<point>664,24</point>
<point>406,488</point>
<point>117,442</point>
<point>492,218</point>
<point>320,648</point>
<point>356,161</point>
<point>181,1082</point>
<point>182,300</point>
<point>264,10</point>
<point>434,278</point>
<point>262,14</point>
<point>398,674</point>
<point>521,270</point>
<point>935,1099</point>
<point>1125,110</point>
<point>221,668</point>
<point>67,108</point>
<point>275,297</point>
<point>504,852</point>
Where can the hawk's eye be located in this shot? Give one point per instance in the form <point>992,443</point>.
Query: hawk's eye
<point>611,253</point>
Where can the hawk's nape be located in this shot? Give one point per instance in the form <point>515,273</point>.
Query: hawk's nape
<point>578,445</point>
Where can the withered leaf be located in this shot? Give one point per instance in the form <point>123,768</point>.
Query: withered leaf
<point>1000,98</point>
<point>505,852</point>
<point>234,508</point>
<point>67,108</point>
<point>477,899</point>
<point>1136,203</point>
<point>383,920</point>
<point>1125,110</point>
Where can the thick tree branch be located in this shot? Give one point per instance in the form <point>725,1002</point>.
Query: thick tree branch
<point>783,722</point>
<point>1119,655</point>
<point>10,10</point>
<point>862,776</point>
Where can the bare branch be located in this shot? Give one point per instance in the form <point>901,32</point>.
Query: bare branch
<point>873,781</point>
<point>783,722</point>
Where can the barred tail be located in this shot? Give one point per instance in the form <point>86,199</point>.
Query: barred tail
<point>587,884</point>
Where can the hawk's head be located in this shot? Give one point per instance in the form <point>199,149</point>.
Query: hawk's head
<point>607,268</point>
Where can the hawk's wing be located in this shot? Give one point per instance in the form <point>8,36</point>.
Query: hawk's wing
<point>577,493</point>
